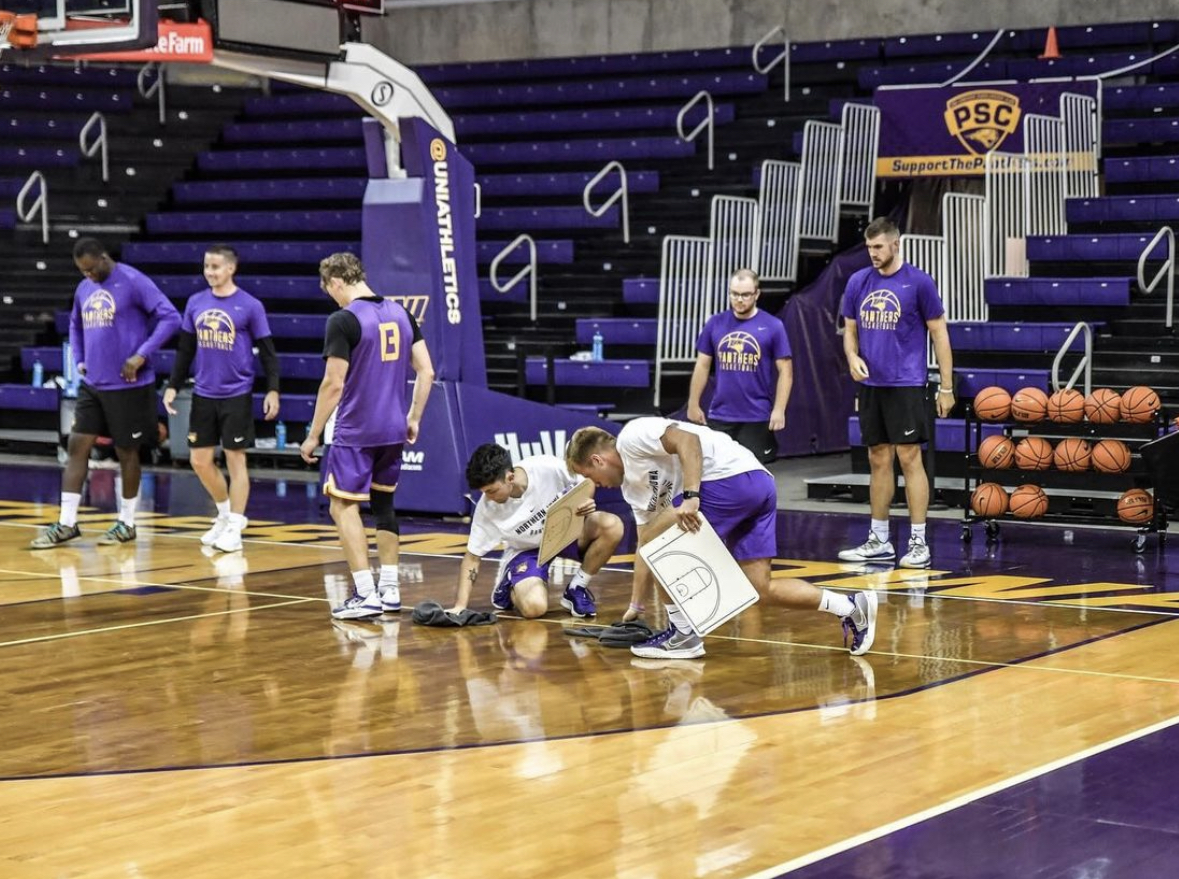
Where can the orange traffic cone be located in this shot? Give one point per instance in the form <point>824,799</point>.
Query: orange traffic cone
<point>1051,51</point>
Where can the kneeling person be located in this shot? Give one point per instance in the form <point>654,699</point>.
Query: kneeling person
<point>512,511</point>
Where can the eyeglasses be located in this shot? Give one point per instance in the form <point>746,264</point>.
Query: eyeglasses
<point>737,295</point>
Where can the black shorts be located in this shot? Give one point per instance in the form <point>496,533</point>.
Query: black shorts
<point>754,435</point>
<point>893,416</point>
<point>127,416</point>
<point>227,422</point>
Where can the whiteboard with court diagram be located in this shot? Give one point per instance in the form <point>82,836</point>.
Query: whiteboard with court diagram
<point>700,575</point>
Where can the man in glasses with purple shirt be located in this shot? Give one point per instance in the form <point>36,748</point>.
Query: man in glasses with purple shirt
<point>119,320</point>
<point>890,311</point>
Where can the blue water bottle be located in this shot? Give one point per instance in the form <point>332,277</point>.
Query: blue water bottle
<point>597,349</point>
<point>280,435</point>
<point>38,373</point>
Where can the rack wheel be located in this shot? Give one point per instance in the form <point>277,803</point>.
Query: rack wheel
<point>992,529</point>
<point>1139,543</point>
<point>967,534</point>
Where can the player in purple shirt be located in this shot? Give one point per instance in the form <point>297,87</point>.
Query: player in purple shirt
<point>754,372</point>
<point>119,319</point>
<point>369,347</point>
<point>890,312</point>
<point>220,329</point>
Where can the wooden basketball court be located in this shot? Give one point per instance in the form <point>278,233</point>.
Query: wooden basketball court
<point>174,714</point>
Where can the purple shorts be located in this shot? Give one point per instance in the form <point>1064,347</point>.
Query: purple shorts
<point>351,471</point>
<point>743,510</point>
<point>525,564</point>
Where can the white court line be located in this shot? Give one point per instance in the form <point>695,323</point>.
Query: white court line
<point>957,802</point>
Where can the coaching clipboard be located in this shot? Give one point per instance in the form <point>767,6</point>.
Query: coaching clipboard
<point>562,525</point>
<point>700,575</point>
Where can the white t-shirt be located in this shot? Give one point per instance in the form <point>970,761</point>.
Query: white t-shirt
<point>652,476</point>
<point>518,523</point>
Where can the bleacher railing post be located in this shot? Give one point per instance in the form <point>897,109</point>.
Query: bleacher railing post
<point>39,205</point>
<point>156,88</point>
<point>96,119</point>
<point>622,192</point>
<point>528,270</point>
<point>782,57</point>
<point>1167,269</point>
<point>706,123</point>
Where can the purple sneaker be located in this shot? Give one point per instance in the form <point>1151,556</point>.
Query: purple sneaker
<point>501,597</point>
<point>671,644</point>
<point>579,601</point>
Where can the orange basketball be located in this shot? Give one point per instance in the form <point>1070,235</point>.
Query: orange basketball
<point>1072,455</point>
<point>1033,453</point>
<point>1028,502</point>
<point>1066,406</point>
<point>989,500</point>
<point>1136,506</point>
<point>1111,456</point>
<point>1139,405</point>
<point>1029,404</point>
<point>1103,406</point>
<point>996,453</point>
<point>992,404</point>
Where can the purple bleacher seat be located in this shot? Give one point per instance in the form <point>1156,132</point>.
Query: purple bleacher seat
<point>38,157</point>
<point>1012,336</point>
<point>1083,36</point>
<point>72,77</point>
<point>601,373</point>
<point>7,218</point>
<point>516,294</point>
<point>1134,131</point>
<point>1140,97</point>
<point>303,253</point>
<point>306,189</point>
<point>819,52</point>
<point>297,326</point>
<point>1160,208</point>
<point>971,381</point>
<point>1145,169</point>
<point>559,251</point>
<point>41,127</point>
<point>522,219</point>
<point>294,407</point>
<point>30,97</point>
<point>337,129</point>
<point>563,183</point>
<point>598,150</point>
<point>568,121</point>
<point>1072,65</point>
<point>581,66</point>
<point>930,72</point>
<point>296,366</point>
<point>1049,291</point>
<point>264,287</point>
<point>640,291</point>
<point>11,186</point>
<point>260,222</point>
<point>29,399</point>
<point>617,330</point>
<point>919,45</point>
<point>334,158</point>
<point>303,102</point>
<point>1090,248</point>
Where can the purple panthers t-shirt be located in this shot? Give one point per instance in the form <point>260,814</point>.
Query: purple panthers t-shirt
<point>744,353</point>
<point>226,329</point>
<point>890,315</point>
<point>124,315</point>
<point>372,406</point>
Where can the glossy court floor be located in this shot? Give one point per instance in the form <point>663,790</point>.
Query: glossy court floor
<point>172,714</point>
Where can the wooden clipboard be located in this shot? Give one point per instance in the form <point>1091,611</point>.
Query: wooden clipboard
<point>562,525</point>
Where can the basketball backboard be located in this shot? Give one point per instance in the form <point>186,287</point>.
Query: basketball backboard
<point>64,28</point>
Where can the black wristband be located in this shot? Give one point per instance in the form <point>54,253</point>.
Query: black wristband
<point>688,494</point>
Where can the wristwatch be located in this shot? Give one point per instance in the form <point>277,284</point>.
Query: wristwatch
<point>689,493</point>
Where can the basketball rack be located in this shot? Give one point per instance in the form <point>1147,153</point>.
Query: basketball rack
<point>1090,496</point>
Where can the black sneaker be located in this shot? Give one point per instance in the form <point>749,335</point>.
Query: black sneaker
<point>118,533</point>
<point>55,535</point>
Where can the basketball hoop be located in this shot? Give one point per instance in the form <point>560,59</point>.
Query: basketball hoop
<point>17,30</point>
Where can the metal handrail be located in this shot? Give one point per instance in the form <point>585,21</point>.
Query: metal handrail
<point>99,142</point>
<point>1086,363</point>
<point>528,270</point>
<point>478,201</point>
<point>1168,267</point>
<point>707,123</point>
<point>41,205</point>
<point>782,57</point>
<point>156,88</point>
<point>622,192</point>
<point>977,61</point>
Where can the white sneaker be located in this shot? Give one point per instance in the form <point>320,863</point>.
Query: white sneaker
<point>918,554</point>
<point>871,550</point>
<point>390,599</point>
<point>219,526</point>
<point>861,625</point>
<point>230,539</point>
<point>359,608</point>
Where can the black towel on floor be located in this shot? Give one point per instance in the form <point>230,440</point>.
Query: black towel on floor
<point>431,613</point>
<point>618,635</point>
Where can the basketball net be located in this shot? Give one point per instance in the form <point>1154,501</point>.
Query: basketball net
<point>17,30</point>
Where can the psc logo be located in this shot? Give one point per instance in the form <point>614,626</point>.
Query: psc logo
<point>982,119</point>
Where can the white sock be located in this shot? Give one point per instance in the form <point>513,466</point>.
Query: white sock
<point>127,510</point>
<point>223,509</point>
<point>880,529</point>
<point>362,581</point>
<point>918,531</point>
<point>836,603</point>
<point>390,577</point>
<point>70,501</point>
<point>581,578</point>
<point>679,619</point>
